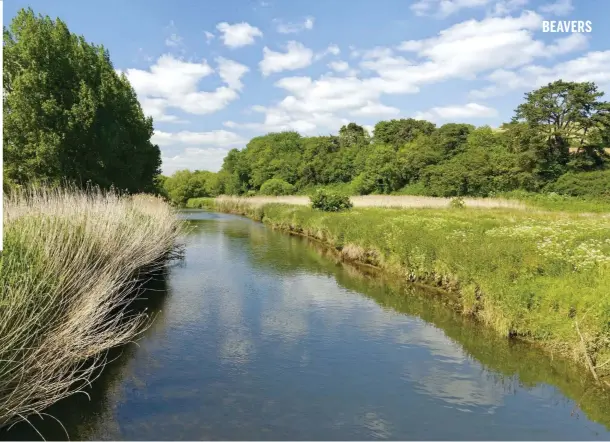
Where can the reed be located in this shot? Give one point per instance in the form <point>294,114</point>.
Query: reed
<point>73,261</point>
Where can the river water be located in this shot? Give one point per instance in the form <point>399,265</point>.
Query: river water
<point>264,336</point>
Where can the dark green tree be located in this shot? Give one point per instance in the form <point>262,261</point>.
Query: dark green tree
<point>68,116</point>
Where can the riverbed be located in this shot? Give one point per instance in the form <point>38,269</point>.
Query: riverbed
<point>259,335</point>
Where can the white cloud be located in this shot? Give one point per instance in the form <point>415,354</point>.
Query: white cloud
<point>560,7</point>
<point>466,50</point>
<point>339,66</point>
<point>231,72</point>
<point>293,28</point>
<point>238,34</point>
<point>296,56</point>
<point>173,83</point>
<point>208,37</point>
<point>375,109</point>
<point>593,66</point>
<point>453,113</point>
<point>214,138</point>
<point>194,158</point>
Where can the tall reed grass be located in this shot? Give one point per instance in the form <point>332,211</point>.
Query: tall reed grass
<point>72,262</point>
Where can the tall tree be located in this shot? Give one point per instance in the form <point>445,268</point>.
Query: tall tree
<point>569,114</point>
<point>68,115</point>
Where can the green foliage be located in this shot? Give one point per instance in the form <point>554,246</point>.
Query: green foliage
<point>587,184</point>
<point>184,185</point>
<point>328,201</point>
<point>529,153</point>
<point>200,203</point>
<point>276,187</point>
<point>399,132</point>
<point>457,203</point>
<point>68,116</point>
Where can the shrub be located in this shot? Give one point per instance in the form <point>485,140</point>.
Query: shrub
<point>200,203</point>
<point>276,187</point>
<point>251,193</point>
<point>457,203</point>
<point>594,184</point>
<point>330,201</point>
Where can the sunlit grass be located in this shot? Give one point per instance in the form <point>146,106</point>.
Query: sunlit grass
<point>530,274</point>
<point>70,265</point>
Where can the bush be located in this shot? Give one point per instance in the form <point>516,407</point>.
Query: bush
<point>457,203</point>
<point>250,193</point>
<point>330,201</point>
<point>593,184</point>
<point>200,203</point>
<point>276,187</point>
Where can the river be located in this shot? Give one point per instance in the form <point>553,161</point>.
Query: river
<point>261,335</point>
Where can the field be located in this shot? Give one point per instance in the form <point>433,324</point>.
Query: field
<point>392,201</point>
<point>538,275</point>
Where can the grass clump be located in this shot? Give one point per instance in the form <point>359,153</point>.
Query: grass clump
<point>71,262</point>
<point>533,275</point>
<point>328,201</point>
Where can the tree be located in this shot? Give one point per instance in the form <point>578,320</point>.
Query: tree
<point>570,115</point>
<point>399,132</point>
<point>68,116</point>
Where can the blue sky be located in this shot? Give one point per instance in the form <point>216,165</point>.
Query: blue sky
<point>213,74</point>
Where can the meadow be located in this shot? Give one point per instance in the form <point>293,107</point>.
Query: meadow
<point>537,275</point>
<point>72,262</point>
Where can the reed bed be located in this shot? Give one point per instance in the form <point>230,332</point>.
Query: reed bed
<point>392,201</point>
<point>73,261</point>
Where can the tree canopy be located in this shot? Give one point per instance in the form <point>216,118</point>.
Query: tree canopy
<point>68,115</point>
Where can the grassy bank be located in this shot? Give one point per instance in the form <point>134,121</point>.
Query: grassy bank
<point>71,263</point>
<point>542,277</point>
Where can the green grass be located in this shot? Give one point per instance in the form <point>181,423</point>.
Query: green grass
<point>563,203</point>
<point>525,274</point>
<point>70,266</point>
<point>200,203</point>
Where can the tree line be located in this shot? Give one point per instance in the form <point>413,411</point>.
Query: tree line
<point>557,140</point>
<point>68,116</point>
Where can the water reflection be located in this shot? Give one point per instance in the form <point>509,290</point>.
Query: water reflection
<point>268,336</point>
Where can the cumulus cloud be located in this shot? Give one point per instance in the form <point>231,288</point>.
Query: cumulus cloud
<point>469,50</point>
<point>593,66</point>
<point>293,28</point>
<point>173,83</point>
<point>297,56</point>
<point>208,37</point>
<point>456,113</point>
<point>238,34</point>
<point>214,138</point>
<point>194,158</point>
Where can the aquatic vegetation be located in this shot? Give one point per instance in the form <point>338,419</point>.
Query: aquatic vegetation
<point>532,275</point>
<point>71,263</point>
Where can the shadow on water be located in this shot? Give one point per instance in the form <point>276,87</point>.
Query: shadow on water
<point>509,363</point>
<point>82,414</point>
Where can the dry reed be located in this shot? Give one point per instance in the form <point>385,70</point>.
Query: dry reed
<point>71,263</point>
<point>395,201</point>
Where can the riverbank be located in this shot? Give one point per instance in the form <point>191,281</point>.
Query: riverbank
<point>540,277</point>
<point>71,263</point>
